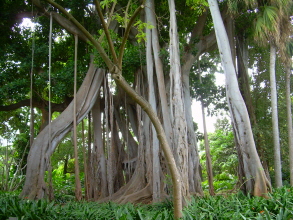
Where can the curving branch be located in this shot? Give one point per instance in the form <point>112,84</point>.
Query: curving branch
<point>106,29</point>
<point>131,22</point>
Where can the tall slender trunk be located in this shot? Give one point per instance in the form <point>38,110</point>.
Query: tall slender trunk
<point>78,194</point>
<point>109,140</point>
<point>289,122</point>
<point>275,121</point>
<point>85,163</point>
<point>90,189</point>
<point>207,145</point>
<point>152,100</point>
<point>208,154</point>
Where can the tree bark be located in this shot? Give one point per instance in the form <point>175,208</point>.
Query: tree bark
<point>180,141</point>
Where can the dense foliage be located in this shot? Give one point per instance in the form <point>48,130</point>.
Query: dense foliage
<point>233,206</point>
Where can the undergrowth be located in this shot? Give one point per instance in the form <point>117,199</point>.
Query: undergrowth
<point>233,206</point>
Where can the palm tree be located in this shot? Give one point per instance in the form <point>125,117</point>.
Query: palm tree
<point>272,27</point>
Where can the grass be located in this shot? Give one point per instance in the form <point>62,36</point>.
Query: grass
<point>234,206</point>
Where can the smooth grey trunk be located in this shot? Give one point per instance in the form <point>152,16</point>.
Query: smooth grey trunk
<point>152,100</point>
<point>255,179</point>
<point>289,122</point>
<point>275,121</point>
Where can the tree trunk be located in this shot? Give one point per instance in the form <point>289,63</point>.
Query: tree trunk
<point>98,144</point>
<point>45,118</point>
<point>243,78</point>
<point>244,86</point>
<point>109,140</point>
<point>207,145</point>
<point>85,163</point>
<point>194,167</point>
<point>275,123</point>
<point>208,154</point>
<point>151,18</point>
<point>180,142</point>
<point>91,176</point>
<point>289,122</point>
<point>78,193</point>
<point>35,186</point>
<point>137,188</point>
<point>255,180</point>
<point>156,183</point>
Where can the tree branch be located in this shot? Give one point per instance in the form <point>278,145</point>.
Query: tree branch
<point>62,21</point>
<point>36,104</point>
<point>106,29</point>
<point>131,21</point>
<point>95,43</point>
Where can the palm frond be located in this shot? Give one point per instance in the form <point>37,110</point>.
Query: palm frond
<point>266,24</point>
